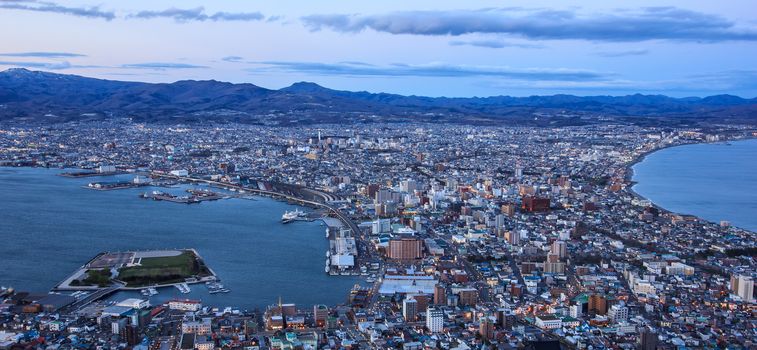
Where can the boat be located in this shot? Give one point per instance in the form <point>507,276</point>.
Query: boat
<point>290,216</point>
<point>216,287</point>
<point>183,288</point>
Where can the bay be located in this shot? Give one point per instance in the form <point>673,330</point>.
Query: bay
<point>713,181</point>
<point>50,225</point>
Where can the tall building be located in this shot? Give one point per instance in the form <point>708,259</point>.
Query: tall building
<point>381,226</point>
<point>410,309</point>
<point>647,340</point>
<point>486,328</point>
<point>560,248</point>
<point>320,314</point>
<point>406,248</point>
<point>534,204</point>
<point>618,313</point>
<point>598,304</point>
<point>468,296</point>
<point>440,294</point>
<point>743,286</point>
<point>512,237</point>
<point>508,209</point>
<point>434,320</point>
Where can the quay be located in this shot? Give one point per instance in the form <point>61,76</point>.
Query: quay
<point>297,195</point>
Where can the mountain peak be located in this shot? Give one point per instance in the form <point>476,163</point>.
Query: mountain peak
<point>304,86</point>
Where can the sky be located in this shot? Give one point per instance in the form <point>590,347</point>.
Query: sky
<point>430,48</point>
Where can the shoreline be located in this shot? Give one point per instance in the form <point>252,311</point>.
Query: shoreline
<point>628,179</point>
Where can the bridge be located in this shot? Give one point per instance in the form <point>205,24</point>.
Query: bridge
<point>97,295</point>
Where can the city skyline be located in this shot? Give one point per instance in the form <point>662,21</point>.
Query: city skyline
<point>435,49</point>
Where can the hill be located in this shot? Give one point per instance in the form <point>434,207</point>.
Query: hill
<point>42,97</point>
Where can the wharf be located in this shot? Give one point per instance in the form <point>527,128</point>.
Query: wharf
<point>79,174</point>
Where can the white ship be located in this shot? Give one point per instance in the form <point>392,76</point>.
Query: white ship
<point>290,216</point>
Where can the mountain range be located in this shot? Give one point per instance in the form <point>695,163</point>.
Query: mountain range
<point>42,97</point>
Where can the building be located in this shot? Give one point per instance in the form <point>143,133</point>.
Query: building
<point>743,286</point>
<point>410,309</point>
<point>468,296</point>
<point>534,204</point>
<point>647,340</point>
<point>197,327</point>
<point>185,305</point>
<point>134,303</point>
<point>440,294</point>
<point>557,268</point>
<point>434,320</point>
<point>320,314</point>
<point>548,322</point>
<point>486,329</point>
<point>618,313</point>
<point>381,226</point>
<point>512,237</point>
<point>559,248</point>
<point>405,248</point>
<point>597,304</point>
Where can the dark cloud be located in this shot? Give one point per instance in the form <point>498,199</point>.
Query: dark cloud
<point>623,53</point>
<point>162,65</point>
<point>651,23</point>
<point>427,70</point>
<point>43,6</point>
<point>198,14</point>
<point>493,44</point>
<point>42,54</point>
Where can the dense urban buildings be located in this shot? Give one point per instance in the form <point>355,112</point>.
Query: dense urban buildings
<point>500,237</point>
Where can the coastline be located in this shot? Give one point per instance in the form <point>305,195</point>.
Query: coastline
<point>630,183</point>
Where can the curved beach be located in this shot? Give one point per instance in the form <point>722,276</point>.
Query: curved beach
<point>700,180</point>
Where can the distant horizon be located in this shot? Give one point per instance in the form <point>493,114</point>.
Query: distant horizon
<point>385,92</point>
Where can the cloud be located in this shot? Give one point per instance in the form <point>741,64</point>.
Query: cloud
<point>427,70</point>
<point>40,65</point>
<point>198,14</point>
<point>639,52</point>
<point>162,65</point>
<point>234,59</point>
<point>42,54</point>
<point>493,44</point>
<point>650,23</point>
<point>733,81</point>
<point>44,6</point>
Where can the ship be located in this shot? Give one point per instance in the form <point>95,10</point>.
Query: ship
<point>149,292</point>
<point>183,288</point>
<point>294,215</point>
<point>216,287</point>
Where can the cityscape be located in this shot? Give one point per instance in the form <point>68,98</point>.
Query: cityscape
<point>200,214</point>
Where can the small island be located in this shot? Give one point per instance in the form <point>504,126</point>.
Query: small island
<point>138,269</point>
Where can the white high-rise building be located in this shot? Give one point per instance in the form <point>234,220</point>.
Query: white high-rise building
<point>381,226</point>
<point>434,320</point>
<point>618,313</point>
<point>575,311</point>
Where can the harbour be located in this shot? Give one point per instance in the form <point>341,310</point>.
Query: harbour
<point>243,241</point>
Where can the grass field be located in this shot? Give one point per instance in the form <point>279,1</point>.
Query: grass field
<point>162,270</point>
